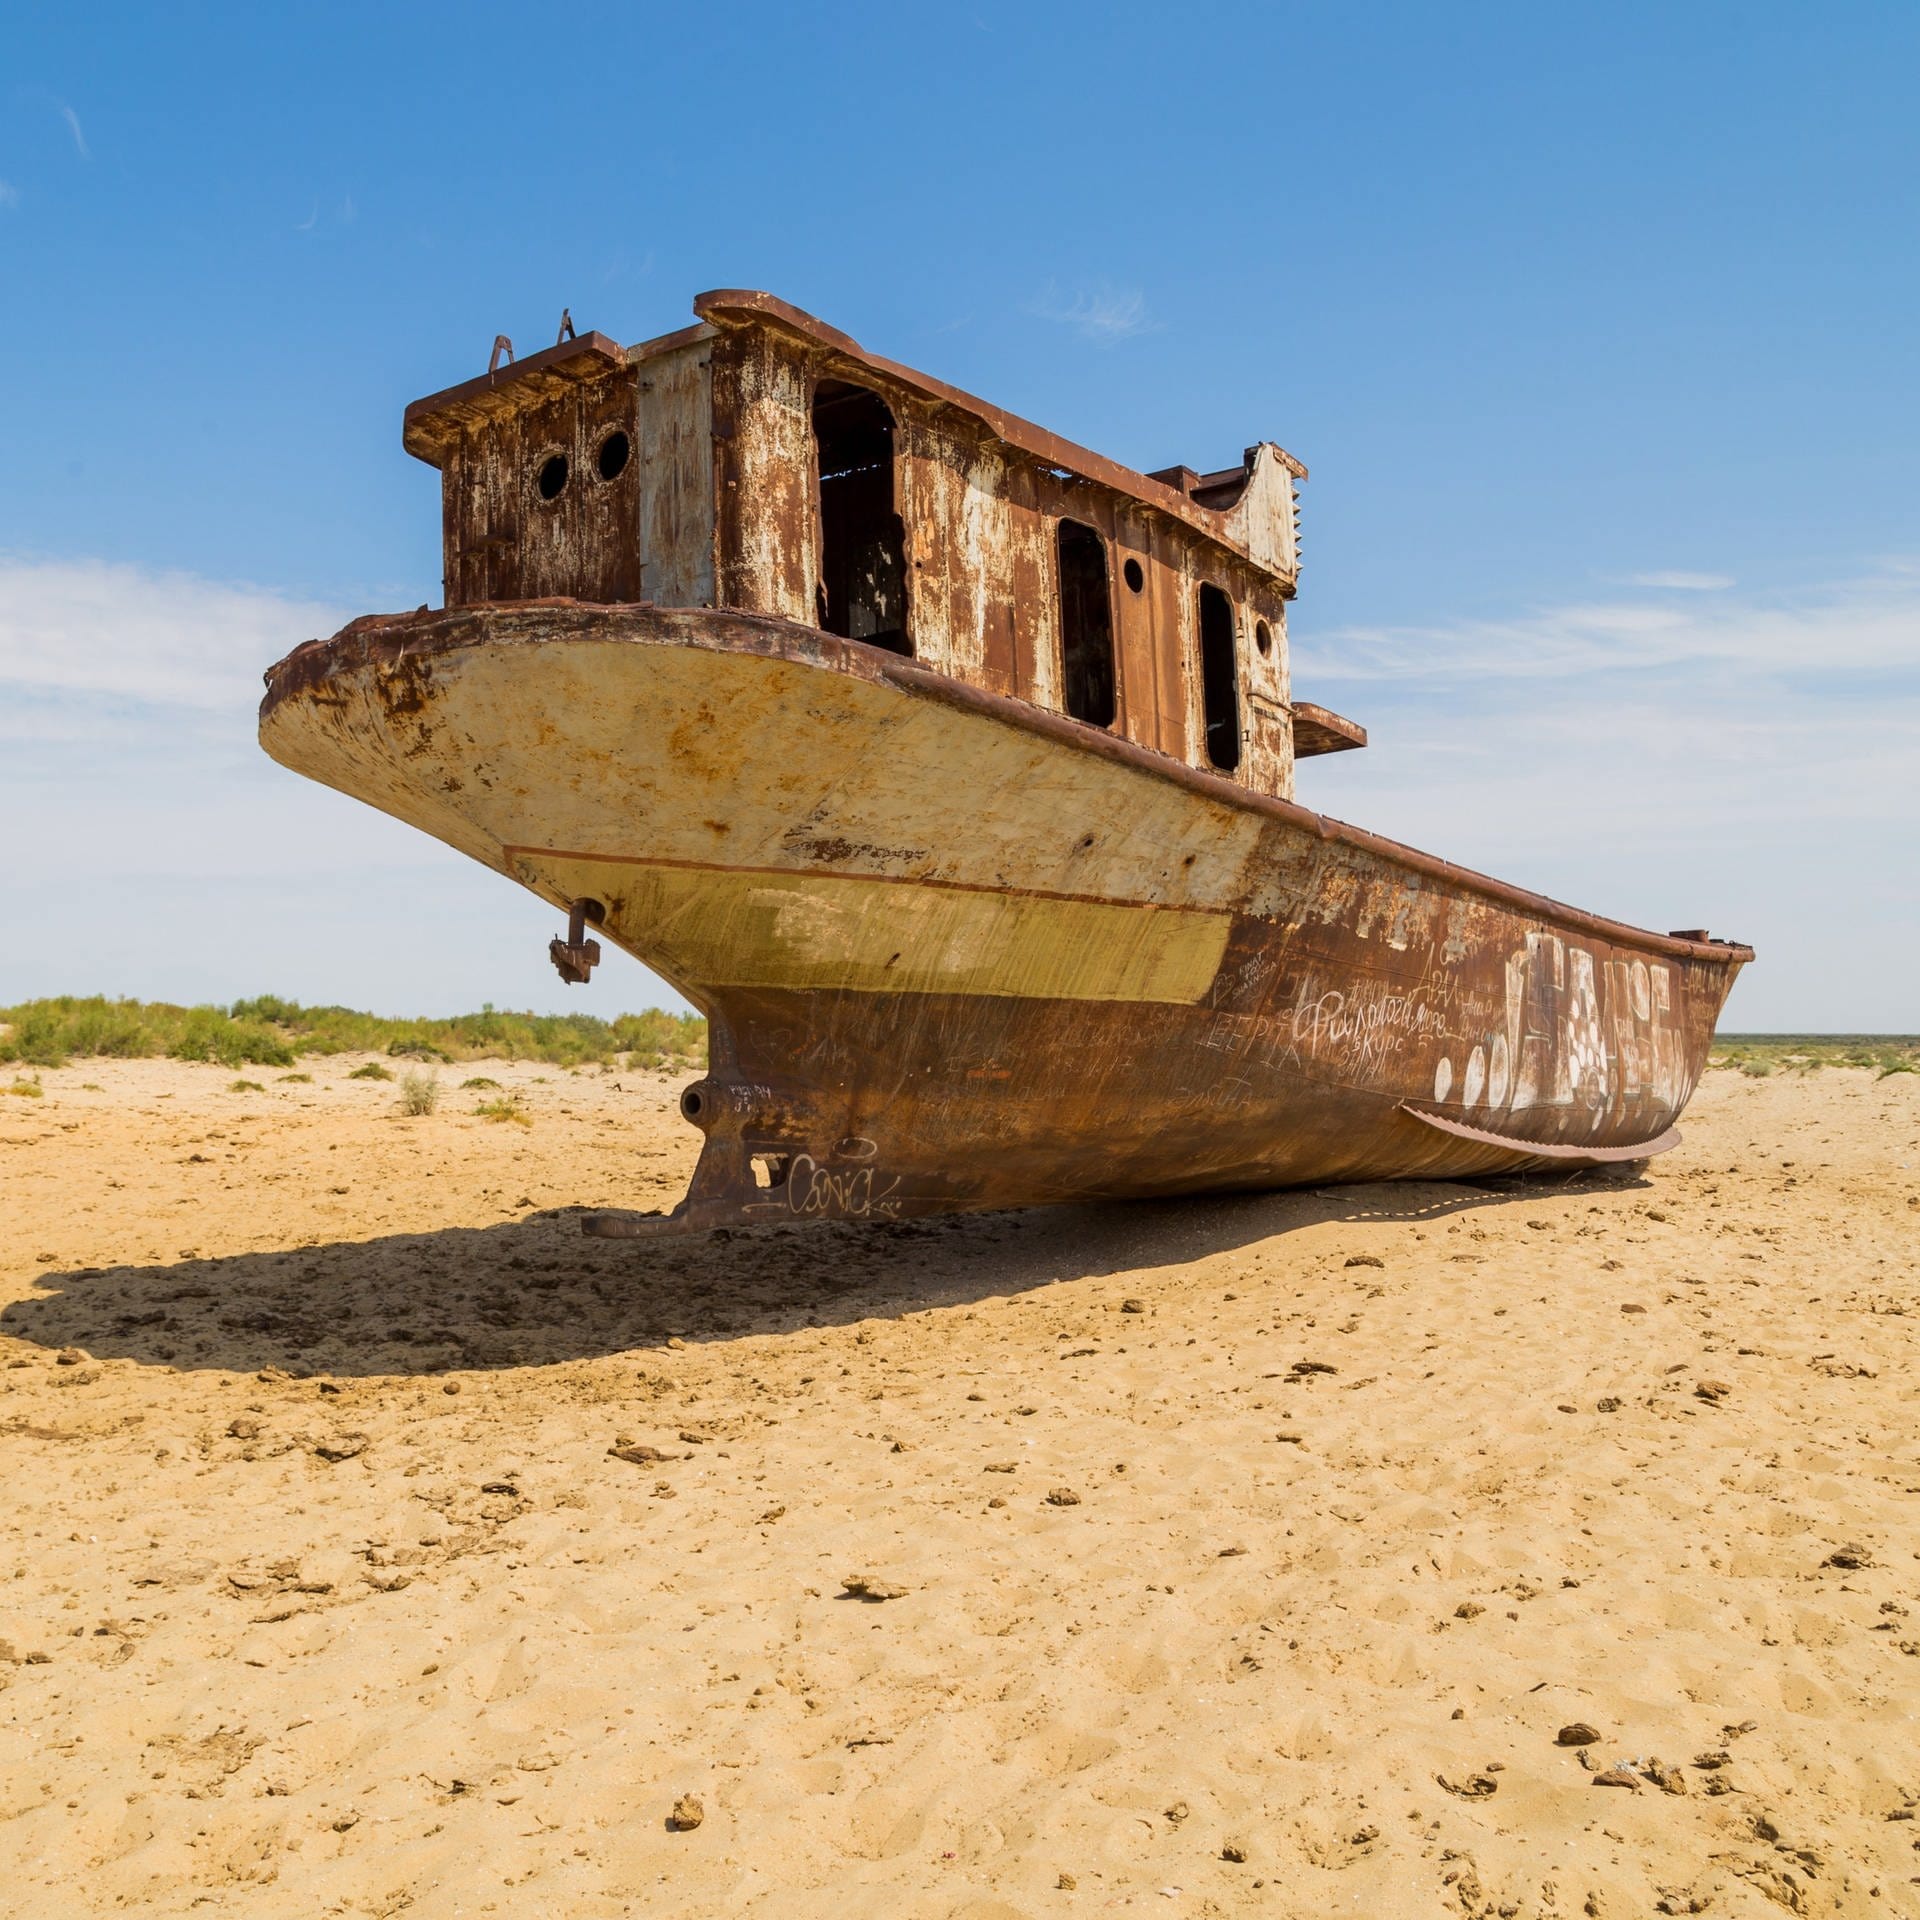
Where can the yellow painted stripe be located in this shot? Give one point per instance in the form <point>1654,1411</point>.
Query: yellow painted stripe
<point>723,928</point>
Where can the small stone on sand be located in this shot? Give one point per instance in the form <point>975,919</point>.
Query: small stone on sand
<point>864,1586</point>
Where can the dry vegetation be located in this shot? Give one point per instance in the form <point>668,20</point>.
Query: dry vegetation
<point>1759,1054</point>
<point>271,1032</point>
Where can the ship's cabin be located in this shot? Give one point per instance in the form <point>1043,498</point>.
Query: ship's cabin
<point>762,461</point>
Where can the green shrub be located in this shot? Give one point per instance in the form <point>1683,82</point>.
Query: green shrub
<point>45,1033</point>
<point>479,1080</point>
<point>506,1108</point>
<point>28,1089</point>
<point>268,1007</point>
<point>373,1070</point>
<point>245,1086</point>
<point>214,1036</point>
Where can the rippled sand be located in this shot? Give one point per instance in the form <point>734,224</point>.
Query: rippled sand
<point>373,1542</point>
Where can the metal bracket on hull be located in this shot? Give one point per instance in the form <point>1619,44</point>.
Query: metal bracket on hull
<point>576,956</point>
<point>1553,1151</point>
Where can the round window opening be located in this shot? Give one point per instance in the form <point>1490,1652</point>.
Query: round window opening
<point>1263,637</point>
<point>552,477</point>
<point>1133,576</point>
<point>615,450</point>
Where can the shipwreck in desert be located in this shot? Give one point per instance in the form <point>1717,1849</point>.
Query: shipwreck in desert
<point>948,767</point>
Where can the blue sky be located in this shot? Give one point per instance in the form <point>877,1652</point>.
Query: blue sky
<point>1594,325</point>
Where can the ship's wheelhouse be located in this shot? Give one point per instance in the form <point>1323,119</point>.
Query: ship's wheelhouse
<point>760,460</point>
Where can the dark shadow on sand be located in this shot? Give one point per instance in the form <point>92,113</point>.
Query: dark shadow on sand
<point>536,1291</point>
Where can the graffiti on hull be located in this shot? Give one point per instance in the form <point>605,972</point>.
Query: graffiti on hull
<point>848,1187</point>
<point>1560,1027</point>
<point>1587,1036</point>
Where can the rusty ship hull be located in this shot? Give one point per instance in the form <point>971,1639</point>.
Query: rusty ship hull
<point>959,952</point>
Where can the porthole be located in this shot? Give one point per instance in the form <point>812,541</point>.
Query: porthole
<point>1263,637</point>
<point>551,480</point>
<point>615,450</point>
<point>1134,576</point>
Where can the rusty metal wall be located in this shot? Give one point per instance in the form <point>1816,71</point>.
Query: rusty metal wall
<point>719,506</point>
<point>674,455</point>
<point>766,506</point>
<point>502,541</point>
<point>980,523</point>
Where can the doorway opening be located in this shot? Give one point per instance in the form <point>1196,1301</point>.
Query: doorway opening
<point>1220,697</point>
<point>1086,625</point>
<point>862,590</point>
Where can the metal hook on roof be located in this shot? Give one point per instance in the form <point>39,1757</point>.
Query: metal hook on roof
<point>566,326</point>
<point>501,344</point>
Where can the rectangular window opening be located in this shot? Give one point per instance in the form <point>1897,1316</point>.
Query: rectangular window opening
<point>1086,625</point>
<point>1220,695</point>
<point>862,590</point>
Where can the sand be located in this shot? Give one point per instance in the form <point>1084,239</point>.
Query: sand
<point>1222,1557</point>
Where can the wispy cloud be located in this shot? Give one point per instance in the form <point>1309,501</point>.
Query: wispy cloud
<point>1681,581</point>
<point>1745,760</point>
<point>1862,625</point>
<point>120,634</point>
<point>73,127</point>
<point>335,213</point>
<point>127,703</point>
<point>1102,314</point>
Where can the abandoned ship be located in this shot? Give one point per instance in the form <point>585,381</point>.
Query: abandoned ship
<point>948,768</point>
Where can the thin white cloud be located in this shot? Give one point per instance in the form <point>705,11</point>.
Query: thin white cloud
<point>121,634</point>
<point>73,127</point>
<point>1682,581</point>
<point>1746,762</point>
<point>9,194</point>
<point>1864,625</point>
<point>132,781</point>
<point>1102,314</point>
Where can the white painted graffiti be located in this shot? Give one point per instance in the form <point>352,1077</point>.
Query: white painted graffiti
<point>814,1191</point>
<point>1365,1030</point>
<point>1590,1035</point>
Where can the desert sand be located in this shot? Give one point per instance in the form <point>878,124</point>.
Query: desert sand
<point>375,1543</point>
